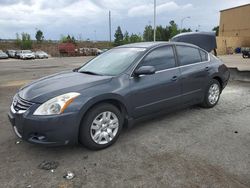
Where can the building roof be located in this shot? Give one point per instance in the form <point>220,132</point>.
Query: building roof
<point>235,7</point>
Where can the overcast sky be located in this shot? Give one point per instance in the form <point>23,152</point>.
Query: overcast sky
<point>84,18</point>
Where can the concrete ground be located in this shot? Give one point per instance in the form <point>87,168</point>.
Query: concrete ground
<point>236,61</point>
<point>193,147</point>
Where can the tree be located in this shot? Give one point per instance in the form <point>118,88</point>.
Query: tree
<point>148,33</point>
<point>25,41</point>
<point>162,34</point>
<point>73,39</point>
<point>135,38</point>
<point>186,30</point>
<point>65,39</point>
<point>216,29</point>
<point>39,36</point>
<point>18,40</point>
<point>118,37</point>
<point>173,29</point>
<point>126,38</point>
<point>68,38</point>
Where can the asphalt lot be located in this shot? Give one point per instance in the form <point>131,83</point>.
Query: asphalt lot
<point>194,147</point>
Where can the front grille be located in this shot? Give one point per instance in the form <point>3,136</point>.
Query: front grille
<point>20,104</point>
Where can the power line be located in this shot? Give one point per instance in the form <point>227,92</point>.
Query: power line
<point>110,26</point>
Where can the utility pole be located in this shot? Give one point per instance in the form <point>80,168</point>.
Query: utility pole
<point>95,35</point>
<point>154,20</point>
<point>110,27</point>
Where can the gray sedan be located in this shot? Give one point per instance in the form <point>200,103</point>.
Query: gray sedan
<point>11,53</point>
<point>27,54</point>
<point>3,55</point>
<point>92,103</point>
<point>41,54</point>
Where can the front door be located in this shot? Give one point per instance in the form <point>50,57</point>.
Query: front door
<point>152,93</point>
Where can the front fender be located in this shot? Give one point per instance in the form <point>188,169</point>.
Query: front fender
<point>102,98</point>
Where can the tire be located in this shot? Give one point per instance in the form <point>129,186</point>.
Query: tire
<point>89,131</point>
<point>210,100</point>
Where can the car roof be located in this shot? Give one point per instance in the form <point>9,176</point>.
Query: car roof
<point>149,45</point>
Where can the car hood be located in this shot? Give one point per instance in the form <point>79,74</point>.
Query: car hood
<point>3,55</point>
<point>51,86</point>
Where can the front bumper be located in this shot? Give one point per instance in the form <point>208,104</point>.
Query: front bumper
<point>28,57</point>
<point>46,130</point>
<point>41,56</point>
<point>4,57</point>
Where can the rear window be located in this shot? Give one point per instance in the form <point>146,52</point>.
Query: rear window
<point>188,55</point>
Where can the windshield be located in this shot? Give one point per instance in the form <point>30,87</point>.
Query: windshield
<point>112,62</point>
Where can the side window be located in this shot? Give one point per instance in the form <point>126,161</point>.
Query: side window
<point>204,56</point>
<point>161,58</point>
<point>188,55</point>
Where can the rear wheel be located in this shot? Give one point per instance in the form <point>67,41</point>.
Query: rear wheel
<point>212,94</point>
<point>101,126</point>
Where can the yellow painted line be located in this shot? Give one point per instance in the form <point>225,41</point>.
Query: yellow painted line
<point>15,83</point>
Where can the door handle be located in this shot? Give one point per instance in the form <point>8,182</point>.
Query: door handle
<point>207,68</point>
<point>174,78</point>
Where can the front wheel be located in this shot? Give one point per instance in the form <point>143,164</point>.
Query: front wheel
<point>101,126</point>
<point>212,94</point>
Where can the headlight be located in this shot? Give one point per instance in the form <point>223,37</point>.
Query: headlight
<point>56,105</point>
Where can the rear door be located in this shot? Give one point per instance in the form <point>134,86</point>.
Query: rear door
<point>151,93</point>
<point>194,75</point>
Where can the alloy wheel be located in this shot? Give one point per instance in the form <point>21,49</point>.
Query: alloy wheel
<point>213,93</point>
<point>104,127</point>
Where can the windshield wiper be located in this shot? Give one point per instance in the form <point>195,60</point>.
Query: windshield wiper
<point>75,69</point>
<point>89,72</point>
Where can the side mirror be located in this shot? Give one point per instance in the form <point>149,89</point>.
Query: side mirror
<point>76,69</point>
<point>145,70</point>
